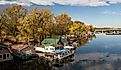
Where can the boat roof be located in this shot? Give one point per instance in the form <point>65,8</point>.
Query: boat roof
<point>50,41</point>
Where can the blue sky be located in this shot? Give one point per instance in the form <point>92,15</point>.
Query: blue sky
<point>95,12</point>
<point>98,16</point>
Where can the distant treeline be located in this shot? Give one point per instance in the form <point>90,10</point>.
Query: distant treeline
<point>105,28</point>
<point>37,24</point>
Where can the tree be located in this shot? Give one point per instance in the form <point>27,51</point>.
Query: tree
<point>92,29</point>
<point>62,23</point>
<point>1,27</point>
<point>36,24</point>
<point>10,18</point>
<point>77,27</point>
<point>74,28</point>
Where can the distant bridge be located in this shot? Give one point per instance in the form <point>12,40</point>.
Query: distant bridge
<point>108,30</point>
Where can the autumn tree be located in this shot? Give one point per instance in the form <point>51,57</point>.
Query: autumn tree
<point>1,29</point>
<point>10,18</point>
<point>37,25</point>
<point>62,23</point>
<point>92,29</point>
<point>75,28</point>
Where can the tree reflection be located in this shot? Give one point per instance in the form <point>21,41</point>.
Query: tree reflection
<point>85,40</point>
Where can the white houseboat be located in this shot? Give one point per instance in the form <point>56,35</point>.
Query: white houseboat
<point>49,45</point>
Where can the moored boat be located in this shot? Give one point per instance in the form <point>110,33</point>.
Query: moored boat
<point>70,47</point>
<point>61,54</point>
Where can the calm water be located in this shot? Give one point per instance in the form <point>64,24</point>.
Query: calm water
<point>100,53</point>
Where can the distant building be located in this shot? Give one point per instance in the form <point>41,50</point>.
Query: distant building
<point>5,54</point>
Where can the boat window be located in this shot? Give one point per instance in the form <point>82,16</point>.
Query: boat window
<point>46,48</point>
<point>51,48</point>
<point>68,52</point>
<point>4,56</point>
<point>0,56</point>
<point>56,55</point>
<point>63,54</point>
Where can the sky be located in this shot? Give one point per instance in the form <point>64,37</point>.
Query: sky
<point>100,13</point>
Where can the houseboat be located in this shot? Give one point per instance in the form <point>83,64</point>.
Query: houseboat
<point>55,48</point>
<point>61,54</point>
<point>49,45</point>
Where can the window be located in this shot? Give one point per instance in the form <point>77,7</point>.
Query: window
<point>51,48</point>
<point>0,56</point>
<point>46,48</point>
<point>7,55</point>
<point>4,56</point>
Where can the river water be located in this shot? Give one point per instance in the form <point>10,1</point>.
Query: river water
<point>102,52</point>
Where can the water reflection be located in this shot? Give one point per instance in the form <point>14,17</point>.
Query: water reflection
<point>98,61</point>
<point>35,64</point>
<point>98,53</point>
<point>60,63</point>
<point>85,40</point>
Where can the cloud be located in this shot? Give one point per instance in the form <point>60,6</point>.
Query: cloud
<point>19,2</point>
<point>42,2</point>
<point>111,12</point>
<point>80,2</point>
<point>62,2</point>
<point>115,1</point>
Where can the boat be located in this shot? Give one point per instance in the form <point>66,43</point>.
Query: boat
<point>70,47</point>
<point>49,45</point>
<point>61,54</point>
<point>45,49</point>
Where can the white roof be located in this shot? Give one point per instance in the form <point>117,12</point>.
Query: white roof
<point>50,46</point>
<point>70,47</point>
